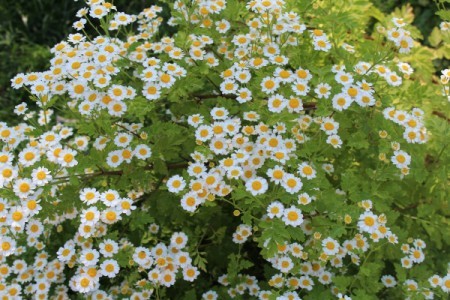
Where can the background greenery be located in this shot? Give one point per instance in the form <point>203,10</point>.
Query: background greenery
<point>424,10</point>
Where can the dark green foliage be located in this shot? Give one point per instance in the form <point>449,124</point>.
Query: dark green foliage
<point>29,28</point>
<point>424,10</point>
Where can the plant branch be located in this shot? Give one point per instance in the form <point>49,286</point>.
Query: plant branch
<point>441,115</point>
<point>172,166</point>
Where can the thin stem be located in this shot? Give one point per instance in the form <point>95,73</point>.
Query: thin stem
<point>210,80</point>
<point>364,262</point>
<point>132,132</point>
<point>95,28</point>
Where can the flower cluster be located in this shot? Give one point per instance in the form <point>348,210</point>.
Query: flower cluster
<point>400,36</point>
<point>243,149</point>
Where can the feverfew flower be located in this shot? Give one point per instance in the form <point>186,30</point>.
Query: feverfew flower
<point>435,281</point>
<point>89,257</point>
<point>7,246</point>
<point>142,152</point>
<point>323,90</point>
<point>190,273</point>
<point>41,176</point>
<point>20,109</point>
<point>306,170</point>
<point>110,198</point>
<point>109,268</point>
<point>322,44</point>
<point>89,195</point>
<point>66,252</point>
<point>84,283</point>
<point>110,216</point>
<point>222,26</point>
<point>108,248</point>
<point>67,158</point>
<point>334,140</point>
<point>291,183</point>
<point>330,246</point>
<point>269,85</point>
<point>388,281</point>
<point>23,187</point>
<point>179,240</point>
<point>368,222</point>
<point>90,216</point>
<point>417,255</point>
<point>176,184</point>
<point>190,202</point>
<point>329,126</point>
<point>242,233</point>
<point>401,159</point>
<point>285,264</point>
<point>28,156</point>
<point>341,101</point>
<point>445,285</point>
<point>98,11</point>
<point>304,199</point>
<point>275,209</point>
<point>126,206</point>
<point>292,216</point>
<point>257,186</point>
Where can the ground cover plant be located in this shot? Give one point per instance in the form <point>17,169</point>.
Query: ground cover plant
<point>266,149</point>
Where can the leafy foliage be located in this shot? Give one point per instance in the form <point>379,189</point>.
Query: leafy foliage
<point>261,149</point>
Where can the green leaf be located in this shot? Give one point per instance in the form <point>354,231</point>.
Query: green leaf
<point>190,295</point>
<point>160,167</point>
<point>296,233</point>
<point>444,14</point>
<point>139,219</point>
<point>376,13</point>
<point>200,261</point>
<point>133,46</point>
<point>236,265</point>
<point>401,272</point>
<point>435,37</point>
<point>140,107</point>
<point>123,257</point>
<point>342,282</point>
